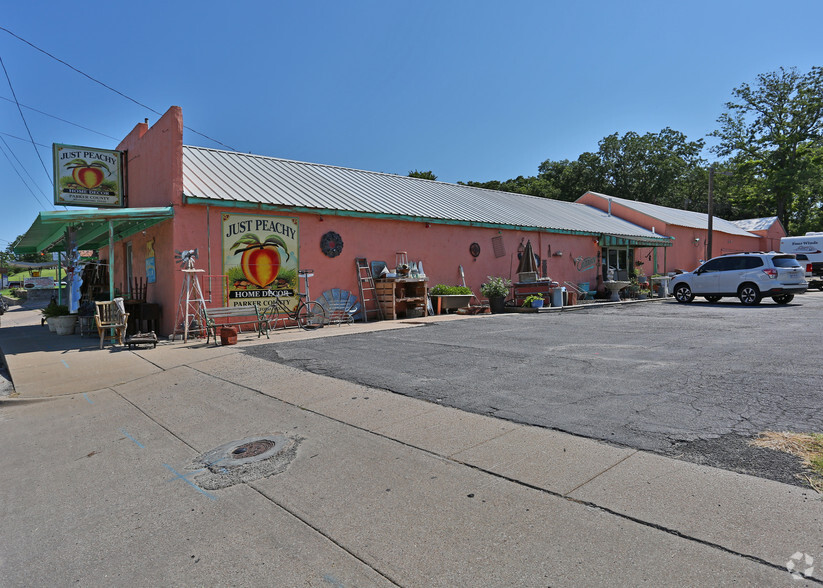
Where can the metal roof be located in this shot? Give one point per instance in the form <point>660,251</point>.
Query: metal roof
<point>756,224</point>
<point>92,227</point>
<point>675,216</point>
<point>238,179</point>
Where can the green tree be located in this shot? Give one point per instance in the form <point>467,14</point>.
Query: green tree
<point>772,133</point>
<point>423,175</point>
<point>9,255</point>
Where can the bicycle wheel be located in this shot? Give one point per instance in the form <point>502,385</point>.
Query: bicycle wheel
<point>311,315</point>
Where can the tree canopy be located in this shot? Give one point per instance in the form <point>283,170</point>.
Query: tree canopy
<point>772,134</point>
<point>423,175</point>
<point>770,139</point>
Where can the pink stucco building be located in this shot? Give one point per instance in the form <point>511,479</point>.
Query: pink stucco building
<point>237,209</point>
<point>689,230</point>
<point>374,214</point>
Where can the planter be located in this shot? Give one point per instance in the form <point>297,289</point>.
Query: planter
<point>497,304</point>
<point>52,323</point>
<point>450,301</point>
<point>228,335</point>
<point>64,325</point>
<point>537,303</point>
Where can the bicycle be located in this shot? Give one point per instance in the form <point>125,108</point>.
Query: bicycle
<point>308,314</point>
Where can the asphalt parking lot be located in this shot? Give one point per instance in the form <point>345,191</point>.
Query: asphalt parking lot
<point>694,381</point>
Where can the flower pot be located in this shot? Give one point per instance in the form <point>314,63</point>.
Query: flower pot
<point>64,325</point>
<point>537,303</point>
<point>52,323</point>
<point>497,304</point>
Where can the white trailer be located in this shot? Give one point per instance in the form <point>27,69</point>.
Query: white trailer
<point>809,250</point>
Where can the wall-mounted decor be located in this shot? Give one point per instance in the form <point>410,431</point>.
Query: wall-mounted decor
<point>151,267</point>
<point>498,247</point>
<point>331,244</point>
<point>260,259</point>
<point>474,249</point>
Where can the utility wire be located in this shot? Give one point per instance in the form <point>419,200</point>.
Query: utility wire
<point>63,120</point>
<point>23,139</point>
<point>23,167</point>
<point>96,81</point>
<point>24,120</point>
<point>22,179</point>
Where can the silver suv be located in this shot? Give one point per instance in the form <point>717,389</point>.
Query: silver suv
<point>748,276</point>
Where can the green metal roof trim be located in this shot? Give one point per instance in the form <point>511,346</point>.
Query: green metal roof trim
<point>614,241</point>
<point>91,226</point>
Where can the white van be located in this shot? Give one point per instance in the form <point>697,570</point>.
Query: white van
<point>809,251</point>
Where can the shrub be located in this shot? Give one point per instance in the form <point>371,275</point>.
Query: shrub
<point>443,290</point>
<point>496,287</point>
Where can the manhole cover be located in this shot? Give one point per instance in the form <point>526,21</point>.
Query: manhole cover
<point>252,449</point>
<point>244,460</point>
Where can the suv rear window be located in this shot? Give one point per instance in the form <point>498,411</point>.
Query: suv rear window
<point>750,262</point>
<point>785,262</point>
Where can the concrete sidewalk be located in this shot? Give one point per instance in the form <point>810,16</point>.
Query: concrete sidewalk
<point>99,486</point>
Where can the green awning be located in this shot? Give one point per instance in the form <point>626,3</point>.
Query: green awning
<point>91,227</point>
<point>623,241</point>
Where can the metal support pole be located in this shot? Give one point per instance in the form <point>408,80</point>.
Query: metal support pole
<point>711,213</point>
<point>111,260</point>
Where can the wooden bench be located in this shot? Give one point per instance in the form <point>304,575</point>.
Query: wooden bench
<point>233,316</point>
<point>109,316</point>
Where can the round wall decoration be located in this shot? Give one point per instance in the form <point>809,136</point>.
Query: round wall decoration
<point>331,244</point>
<point>474,249</point>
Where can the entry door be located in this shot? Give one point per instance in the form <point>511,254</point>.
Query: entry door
<point>617,259</point>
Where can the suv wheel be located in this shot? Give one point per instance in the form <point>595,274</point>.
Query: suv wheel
<point>783,298</point>
<point>749,294</point>
<point>682,293</point>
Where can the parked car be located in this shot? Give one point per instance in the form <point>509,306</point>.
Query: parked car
<point>809,251</point>
<point>748,276</point>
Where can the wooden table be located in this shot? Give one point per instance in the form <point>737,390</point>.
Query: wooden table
<point>404,297</point>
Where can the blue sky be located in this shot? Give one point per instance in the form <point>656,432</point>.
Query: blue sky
<point>472,90</point>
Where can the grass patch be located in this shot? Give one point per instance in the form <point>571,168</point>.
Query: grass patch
<point>807,446</point>
<point>49,272</point>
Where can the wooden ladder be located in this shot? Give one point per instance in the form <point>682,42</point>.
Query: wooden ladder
<point>368,291</point>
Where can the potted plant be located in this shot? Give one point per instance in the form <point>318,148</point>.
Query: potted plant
<point>64,322</point>
<point>450,297</point>
<point>496,290</point>
<point>533,301</point>
<point>51,311</point>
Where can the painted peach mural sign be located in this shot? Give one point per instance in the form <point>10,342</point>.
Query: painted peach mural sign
<point>260,259</point>
<point>85,176</point>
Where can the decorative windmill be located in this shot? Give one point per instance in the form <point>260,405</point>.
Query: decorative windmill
<point>191,302</point>
<point>186,258</point>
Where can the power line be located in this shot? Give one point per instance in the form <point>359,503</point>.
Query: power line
<point>22,179</point>
<point>96,81</point>
<point>63,120</point>
<point>23,167</point>
<point>25,124</point>
<point>24,139</point>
